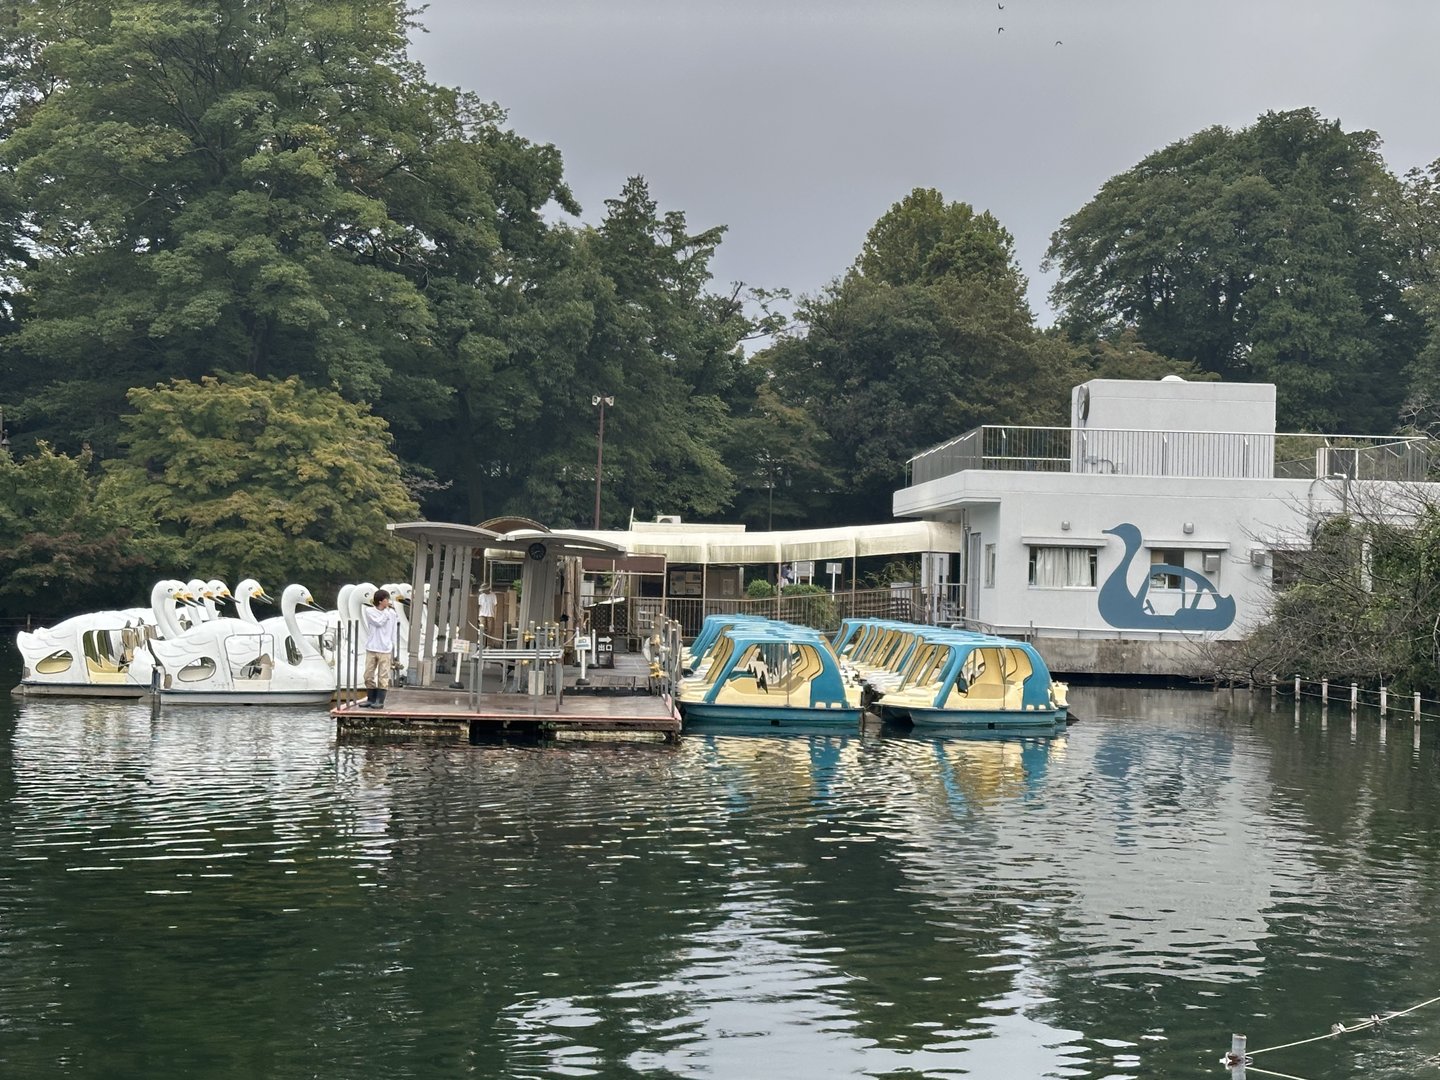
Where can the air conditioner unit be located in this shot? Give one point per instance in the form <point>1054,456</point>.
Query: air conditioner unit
<point>1258,557</point>
<point>667,519</point>
<point>1211,562</point>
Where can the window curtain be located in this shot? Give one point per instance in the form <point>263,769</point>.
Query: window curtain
<point>1063,567</point>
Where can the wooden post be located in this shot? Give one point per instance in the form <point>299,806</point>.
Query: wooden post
<point>1384,693</point>
<point>1297,687</point>
<point>1354,697</point>
<point>1325,691</point>
<point>1417,706</point>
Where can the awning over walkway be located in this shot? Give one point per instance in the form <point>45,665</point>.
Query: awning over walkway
<point>682,545</point>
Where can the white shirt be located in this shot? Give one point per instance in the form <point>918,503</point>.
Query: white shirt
<point>380,624</point>
<point>487,604</point>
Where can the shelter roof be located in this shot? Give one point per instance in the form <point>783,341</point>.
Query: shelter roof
<point>518,540</point>
<point>684,545</point>
<point>443,531</point>
<point>559,543</point>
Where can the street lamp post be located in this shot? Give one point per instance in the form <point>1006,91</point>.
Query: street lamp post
<point>601,400</point>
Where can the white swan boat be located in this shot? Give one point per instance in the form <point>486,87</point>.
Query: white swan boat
<point>102,653</point>
<point>233,662</point>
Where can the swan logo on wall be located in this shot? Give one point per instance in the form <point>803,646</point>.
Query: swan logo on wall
<point>1201,605</point>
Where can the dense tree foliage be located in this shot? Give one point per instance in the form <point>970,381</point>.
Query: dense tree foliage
<point>1360,604</point>
<point>63,545</point>
<point>1265,254</point>
<point>640,329</point>
<point>244,186</point>
<point>927,336</point>
<point>228,185</point>
<point>264,477</point>
<point>779,454</point>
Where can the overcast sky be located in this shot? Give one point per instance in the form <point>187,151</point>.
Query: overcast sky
<point>797,123</point>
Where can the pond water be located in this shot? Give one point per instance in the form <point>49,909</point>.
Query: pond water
<point>228,893</point>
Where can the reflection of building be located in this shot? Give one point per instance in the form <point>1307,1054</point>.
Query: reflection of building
<point>1155,519</point>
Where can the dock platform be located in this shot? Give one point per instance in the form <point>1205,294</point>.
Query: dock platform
<point>619,702</point>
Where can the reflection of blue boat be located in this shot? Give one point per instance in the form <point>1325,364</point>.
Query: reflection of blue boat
<point>976,680</point>
<point>770,673</point>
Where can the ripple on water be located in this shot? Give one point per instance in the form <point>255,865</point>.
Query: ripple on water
<point>1107,903</point>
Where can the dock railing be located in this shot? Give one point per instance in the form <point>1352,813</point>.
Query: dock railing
<point>824,611</point>
<point>1135,452</point>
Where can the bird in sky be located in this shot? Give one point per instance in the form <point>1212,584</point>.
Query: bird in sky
<point>1000,6</point>
<point>999,30</point>
<point>1059,43</point>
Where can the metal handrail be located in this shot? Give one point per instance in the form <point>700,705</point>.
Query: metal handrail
<point>1147,452</point>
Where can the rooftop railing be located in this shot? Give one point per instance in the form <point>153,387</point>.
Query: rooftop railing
<point>1213,454</point>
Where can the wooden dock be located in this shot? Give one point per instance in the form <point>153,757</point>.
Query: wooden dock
<point>617,702</point>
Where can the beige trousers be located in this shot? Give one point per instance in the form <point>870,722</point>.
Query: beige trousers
<point>377,670</point>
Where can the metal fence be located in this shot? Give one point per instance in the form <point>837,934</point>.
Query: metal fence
<point>1179,453</point>
<point>824,611</point>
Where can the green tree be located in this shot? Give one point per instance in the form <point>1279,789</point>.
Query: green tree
<point>1120,355</point>
<point>64,548</point>
<point>1360,603</point>
<point>779,455</point>
<point>1265,254</point>
<point>229,185</point>
<point>636,323</point>
<point>927,336</point>
<point>263,477</point>
<point>511,315</point>
<point>1420,234</point>
<point>809,605</point>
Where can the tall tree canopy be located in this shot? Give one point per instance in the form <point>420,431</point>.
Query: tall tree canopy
<point>248,186</point>
<point>238,185</point>
<point>927,336</point>
<point>264,477</point>
<point>1265,254</point>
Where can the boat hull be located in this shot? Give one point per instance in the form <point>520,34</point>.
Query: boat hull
<point>706,712</point>
<point>986,718</point>
<point>246,697</point>
<point>131,691</point>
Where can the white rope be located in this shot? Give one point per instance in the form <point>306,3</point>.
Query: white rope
<point>1374,1020</point>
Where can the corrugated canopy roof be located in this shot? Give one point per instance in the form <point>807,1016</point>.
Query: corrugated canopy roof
<point>798,545</point>
<point>684,545</point>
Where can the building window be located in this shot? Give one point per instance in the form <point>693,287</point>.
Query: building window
<point>989,566</point>
<point>1063,567</point>
<point>1285,569</point>
<point>1166,579</point>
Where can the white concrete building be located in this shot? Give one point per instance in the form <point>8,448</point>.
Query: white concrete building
<point>1158,518</point>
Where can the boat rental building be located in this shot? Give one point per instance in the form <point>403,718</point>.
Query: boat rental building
<point>1163,516</point>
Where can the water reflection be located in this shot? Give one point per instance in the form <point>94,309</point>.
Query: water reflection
<point>228,892</point>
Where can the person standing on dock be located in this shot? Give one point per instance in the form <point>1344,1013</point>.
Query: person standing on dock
<point>485,607</point>
<point>381,622</point>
